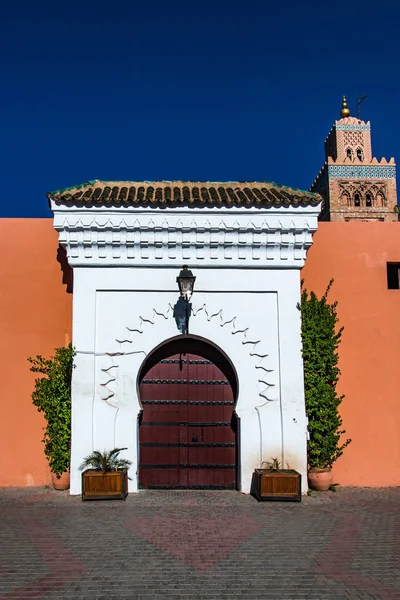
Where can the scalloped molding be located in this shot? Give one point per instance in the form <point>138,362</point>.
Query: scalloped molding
<point>275,237</point>
<point>108,375</point>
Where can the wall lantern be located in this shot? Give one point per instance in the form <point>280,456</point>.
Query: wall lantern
<point>186,280</point>
<point>183,308</point>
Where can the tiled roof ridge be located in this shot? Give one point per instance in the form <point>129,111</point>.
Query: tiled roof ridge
<point>182,192</point>
<point>173,182</point>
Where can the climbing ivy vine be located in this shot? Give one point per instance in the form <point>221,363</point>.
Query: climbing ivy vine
<point>321,338</point>
<point>52,396</point>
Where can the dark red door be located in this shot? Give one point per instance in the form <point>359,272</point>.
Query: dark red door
<point>187,437</point>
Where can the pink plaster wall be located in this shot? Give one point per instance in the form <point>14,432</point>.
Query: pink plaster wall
<point>35,317</point>
<point>355,255</point>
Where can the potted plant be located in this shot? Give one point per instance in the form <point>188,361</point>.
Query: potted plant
<point>52,396</point>
<point>321,339</point>
<point>271,482</point>
<point>106,475</point>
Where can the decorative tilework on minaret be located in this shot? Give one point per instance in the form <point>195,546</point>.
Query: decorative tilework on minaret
<point>355,186</point>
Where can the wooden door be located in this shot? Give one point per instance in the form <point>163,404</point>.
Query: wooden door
<point>187,437</point>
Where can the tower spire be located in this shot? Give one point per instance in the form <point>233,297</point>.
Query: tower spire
<point>345,112</point>
<point>354,185</point>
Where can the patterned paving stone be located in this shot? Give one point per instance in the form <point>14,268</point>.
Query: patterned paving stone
<point>195,545</point>
<point>201,541</point>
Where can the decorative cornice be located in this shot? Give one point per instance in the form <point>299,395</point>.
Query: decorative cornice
<point>352,127</point>
<point>277,238</point>
<point>362,171</point>
<point>351,121</point>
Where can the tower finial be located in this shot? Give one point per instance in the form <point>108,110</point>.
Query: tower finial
<point>345,112</point>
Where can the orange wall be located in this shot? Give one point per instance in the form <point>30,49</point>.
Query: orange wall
<point>355,255</point>
<point>35,317</point>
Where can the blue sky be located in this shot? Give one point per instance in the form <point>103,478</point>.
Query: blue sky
<point>186,90</point>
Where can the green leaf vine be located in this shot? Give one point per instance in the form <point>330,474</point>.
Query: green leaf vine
<point>52,396</point>
<point>321,338</point>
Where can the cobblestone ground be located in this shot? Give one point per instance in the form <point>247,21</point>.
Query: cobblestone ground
<point>199,545</point>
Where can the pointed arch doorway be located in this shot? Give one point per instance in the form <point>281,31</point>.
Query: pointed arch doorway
<point>188,429</point>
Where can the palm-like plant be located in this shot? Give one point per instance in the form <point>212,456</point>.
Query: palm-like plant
<point>105,461</point>
<point>272,465</point>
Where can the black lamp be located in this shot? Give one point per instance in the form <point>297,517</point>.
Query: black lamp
<point>186,280</point>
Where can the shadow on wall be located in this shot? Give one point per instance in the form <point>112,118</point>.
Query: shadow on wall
<point>67,272</point>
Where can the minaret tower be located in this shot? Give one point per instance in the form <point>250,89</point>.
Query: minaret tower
<point>355,186</point>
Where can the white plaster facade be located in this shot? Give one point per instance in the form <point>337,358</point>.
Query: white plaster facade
<point>247,265</point>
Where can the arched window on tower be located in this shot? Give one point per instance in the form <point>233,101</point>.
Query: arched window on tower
<point>349,153</point>
<point>357,199</point>
<point>368,199</point>
<point>345,199</point>
<point>360,154</point>
<point>380,199</point>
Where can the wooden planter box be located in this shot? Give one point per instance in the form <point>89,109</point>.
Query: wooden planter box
<point>284,485</point>
<point>104,486</point>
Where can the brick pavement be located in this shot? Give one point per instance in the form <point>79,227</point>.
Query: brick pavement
<point>199,545</point>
